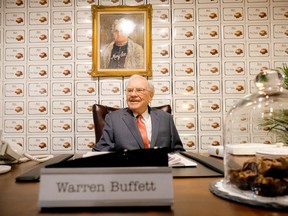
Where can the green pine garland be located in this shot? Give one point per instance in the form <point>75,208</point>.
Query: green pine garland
<point>278,123</point>
<point>284,71</point>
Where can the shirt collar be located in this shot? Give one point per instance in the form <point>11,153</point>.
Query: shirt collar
<point>145,115</point>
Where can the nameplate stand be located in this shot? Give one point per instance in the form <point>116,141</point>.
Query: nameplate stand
<point>107,186</point>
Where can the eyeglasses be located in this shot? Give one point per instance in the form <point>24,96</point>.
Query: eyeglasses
<point>137,90</point>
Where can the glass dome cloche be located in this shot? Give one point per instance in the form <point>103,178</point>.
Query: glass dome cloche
<point>256,140</point>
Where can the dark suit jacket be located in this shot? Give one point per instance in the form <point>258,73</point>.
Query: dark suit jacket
<point>121,132</point>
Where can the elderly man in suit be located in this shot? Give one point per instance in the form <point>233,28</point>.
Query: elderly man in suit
<point>139,126</point>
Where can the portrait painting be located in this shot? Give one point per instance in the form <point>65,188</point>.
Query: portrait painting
<point>121,40</point>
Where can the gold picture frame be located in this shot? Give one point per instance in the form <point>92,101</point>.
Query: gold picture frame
<point>111,24</point>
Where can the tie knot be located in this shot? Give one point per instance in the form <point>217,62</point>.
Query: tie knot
<point>139,119</point>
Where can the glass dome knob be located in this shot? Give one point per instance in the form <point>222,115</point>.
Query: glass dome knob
<point>269,80</point>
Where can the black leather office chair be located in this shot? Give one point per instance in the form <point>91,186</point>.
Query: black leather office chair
<point>99,112</point>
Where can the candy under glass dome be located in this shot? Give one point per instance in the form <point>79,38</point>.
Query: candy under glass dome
<point>256,140</point>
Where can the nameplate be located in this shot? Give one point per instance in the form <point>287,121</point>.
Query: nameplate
<point>102,187</point>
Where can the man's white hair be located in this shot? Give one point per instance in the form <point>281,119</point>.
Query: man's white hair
<point>151,87</point>
<point>126,26</point>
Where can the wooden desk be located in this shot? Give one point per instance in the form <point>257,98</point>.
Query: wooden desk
<point>191,197</point>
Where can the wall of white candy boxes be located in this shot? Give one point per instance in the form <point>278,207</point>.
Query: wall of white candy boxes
<point>214,50</point>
